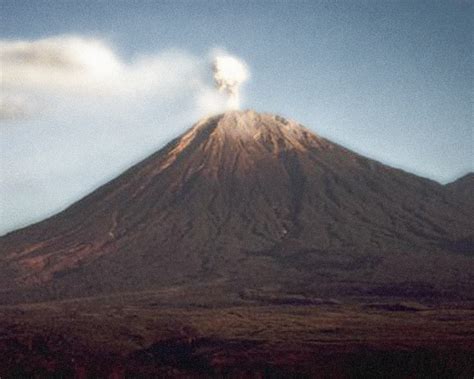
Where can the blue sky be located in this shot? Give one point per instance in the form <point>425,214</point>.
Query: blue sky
<point>389,79</point>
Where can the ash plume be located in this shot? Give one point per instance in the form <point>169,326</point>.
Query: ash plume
<point>229,74</point>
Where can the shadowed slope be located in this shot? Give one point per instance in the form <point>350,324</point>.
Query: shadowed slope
<point>463,189</point>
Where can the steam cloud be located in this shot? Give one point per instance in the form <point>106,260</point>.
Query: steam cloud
<point>77,68</point>
<point>37,74</point>
<point>229,74</point>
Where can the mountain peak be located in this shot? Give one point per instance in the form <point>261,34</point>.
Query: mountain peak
<point>255,130</point>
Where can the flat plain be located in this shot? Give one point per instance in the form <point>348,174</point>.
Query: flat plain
<point>159,333</point>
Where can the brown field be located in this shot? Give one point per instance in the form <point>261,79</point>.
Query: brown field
<point>159,334</point>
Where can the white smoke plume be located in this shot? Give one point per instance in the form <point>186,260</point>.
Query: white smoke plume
<point>229,74</point>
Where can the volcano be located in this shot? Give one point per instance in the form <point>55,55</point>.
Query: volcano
<point>250,202</point>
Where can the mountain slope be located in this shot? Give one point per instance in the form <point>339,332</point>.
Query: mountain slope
<point>248,200</point>
<point>463,189</point>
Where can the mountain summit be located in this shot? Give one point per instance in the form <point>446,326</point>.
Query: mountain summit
<point>249,201</point>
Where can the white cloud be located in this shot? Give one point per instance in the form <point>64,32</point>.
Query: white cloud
<point>14,107</point>
<point>90,67</point>
<point>209,102</point>
<point>48,71</point>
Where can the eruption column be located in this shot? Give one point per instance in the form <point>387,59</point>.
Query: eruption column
<point>229,74</point>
